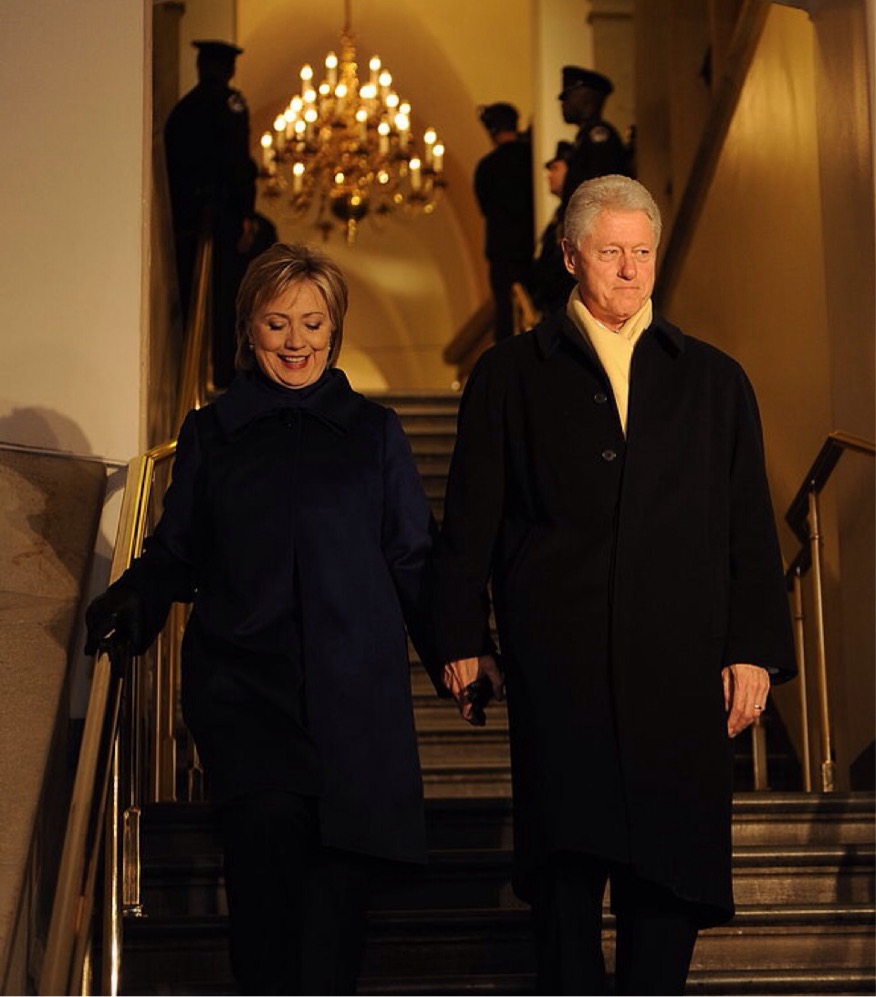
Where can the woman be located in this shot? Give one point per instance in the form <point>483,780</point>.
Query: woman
<point>297,525</point>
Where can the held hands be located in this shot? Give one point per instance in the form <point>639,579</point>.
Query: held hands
<point>473,682</point>
<point>746,688</point>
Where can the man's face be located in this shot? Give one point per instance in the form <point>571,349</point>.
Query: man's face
<point>580,104</point>
<point>614,265</point>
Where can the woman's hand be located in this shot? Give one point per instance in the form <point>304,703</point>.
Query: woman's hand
<point>117,612</point>
<point>746,688</point>
<point>459,675</point>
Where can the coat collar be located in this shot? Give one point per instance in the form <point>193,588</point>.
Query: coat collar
<point>558,331</point>
<point>252,396</point>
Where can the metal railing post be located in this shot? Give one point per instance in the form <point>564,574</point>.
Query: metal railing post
<point>800,645</point>
<point>828,762</point>
<point>759,755</point>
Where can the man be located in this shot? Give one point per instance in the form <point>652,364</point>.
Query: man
<point>503,187</point>
<point>598,149</point>
<point>211,177</point>
<point>550,281</point>
<point>608,485</point>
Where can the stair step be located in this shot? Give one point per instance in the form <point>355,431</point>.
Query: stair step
<point>741,983</point>
<point>428,944</point>
<point>744,984</point>
<point>471,877</point>
<point>810,981</point>
<point>803,818</point>
<point>760,821</point>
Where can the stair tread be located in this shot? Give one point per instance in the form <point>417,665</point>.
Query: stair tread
<point>813,916</point>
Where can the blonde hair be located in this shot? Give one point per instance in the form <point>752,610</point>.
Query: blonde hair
<point>275,271</point>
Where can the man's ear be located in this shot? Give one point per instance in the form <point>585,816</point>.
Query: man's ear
<point>569,255</point>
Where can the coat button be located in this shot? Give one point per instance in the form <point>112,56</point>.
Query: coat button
<point>609,455</point>
<point>600,398</point>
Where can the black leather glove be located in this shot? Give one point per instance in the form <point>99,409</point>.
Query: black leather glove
<point>117,611</point>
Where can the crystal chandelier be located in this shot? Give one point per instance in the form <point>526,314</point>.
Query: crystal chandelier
<point>344,148</point>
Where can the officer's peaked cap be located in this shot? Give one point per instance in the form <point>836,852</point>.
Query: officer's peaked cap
<point>575,76</point>
<point>217,48</point>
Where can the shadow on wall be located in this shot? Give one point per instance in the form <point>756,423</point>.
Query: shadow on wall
<point>57,529</point>
<point>44,428</point>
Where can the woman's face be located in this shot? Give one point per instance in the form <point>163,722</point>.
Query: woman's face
<point>291,335</point>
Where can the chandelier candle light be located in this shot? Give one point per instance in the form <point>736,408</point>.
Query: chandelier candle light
<point>346,149</point>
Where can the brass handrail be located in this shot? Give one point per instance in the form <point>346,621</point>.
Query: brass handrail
<point>803,516</point>
<point>526,315</point>
<point>472,338</point>
<point>67,944</point>
<point>195,383</point>
<point>109,783</point>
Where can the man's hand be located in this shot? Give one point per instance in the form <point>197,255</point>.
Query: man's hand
<point>458,675</point>
<point>746,688</point>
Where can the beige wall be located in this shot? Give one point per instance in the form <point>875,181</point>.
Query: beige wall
<point>844,108</point>
<point>780,274</point>
<point>74,224</point>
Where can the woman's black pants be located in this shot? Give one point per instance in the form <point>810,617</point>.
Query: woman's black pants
<point>297,910</point>
<point>655,931</point>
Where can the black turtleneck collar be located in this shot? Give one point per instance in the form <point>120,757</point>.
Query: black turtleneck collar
<point>252,396</point>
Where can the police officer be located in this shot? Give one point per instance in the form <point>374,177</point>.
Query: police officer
<point>503,187</point>
<point>211,176</point>
<point>598,149</point>
<point>551,283</point>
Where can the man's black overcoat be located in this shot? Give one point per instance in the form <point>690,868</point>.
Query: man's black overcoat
<point>626,573</point>
<point>297,524</point>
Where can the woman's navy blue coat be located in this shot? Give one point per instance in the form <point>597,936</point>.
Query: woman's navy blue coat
<point>297,525</point>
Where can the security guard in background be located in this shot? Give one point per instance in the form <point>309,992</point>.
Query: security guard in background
<point>211,176</point>
<point>550,282</point>
<point>598,148</point>
<point>503,187</point>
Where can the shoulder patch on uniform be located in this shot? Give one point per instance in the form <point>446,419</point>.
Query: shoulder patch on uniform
<point>236,102</point>
<point>598,133</point>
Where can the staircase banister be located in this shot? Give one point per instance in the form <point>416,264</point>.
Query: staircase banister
<point>195,381</point>
<point>470,334</point>
<point>819,473</point>
<point>66,946</point>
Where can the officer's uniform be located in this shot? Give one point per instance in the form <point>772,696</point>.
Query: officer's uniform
<point>211,177</point>
<point>550,282</point>
<point>503,187</point>
<point>598,148</point>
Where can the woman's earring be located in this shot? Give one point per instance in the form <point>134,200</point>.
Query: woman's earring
<point>250,344</point>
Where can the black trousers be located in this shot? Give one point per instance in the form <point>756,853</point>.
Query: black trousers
<point>656,933</point>
<point>297,910</point>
